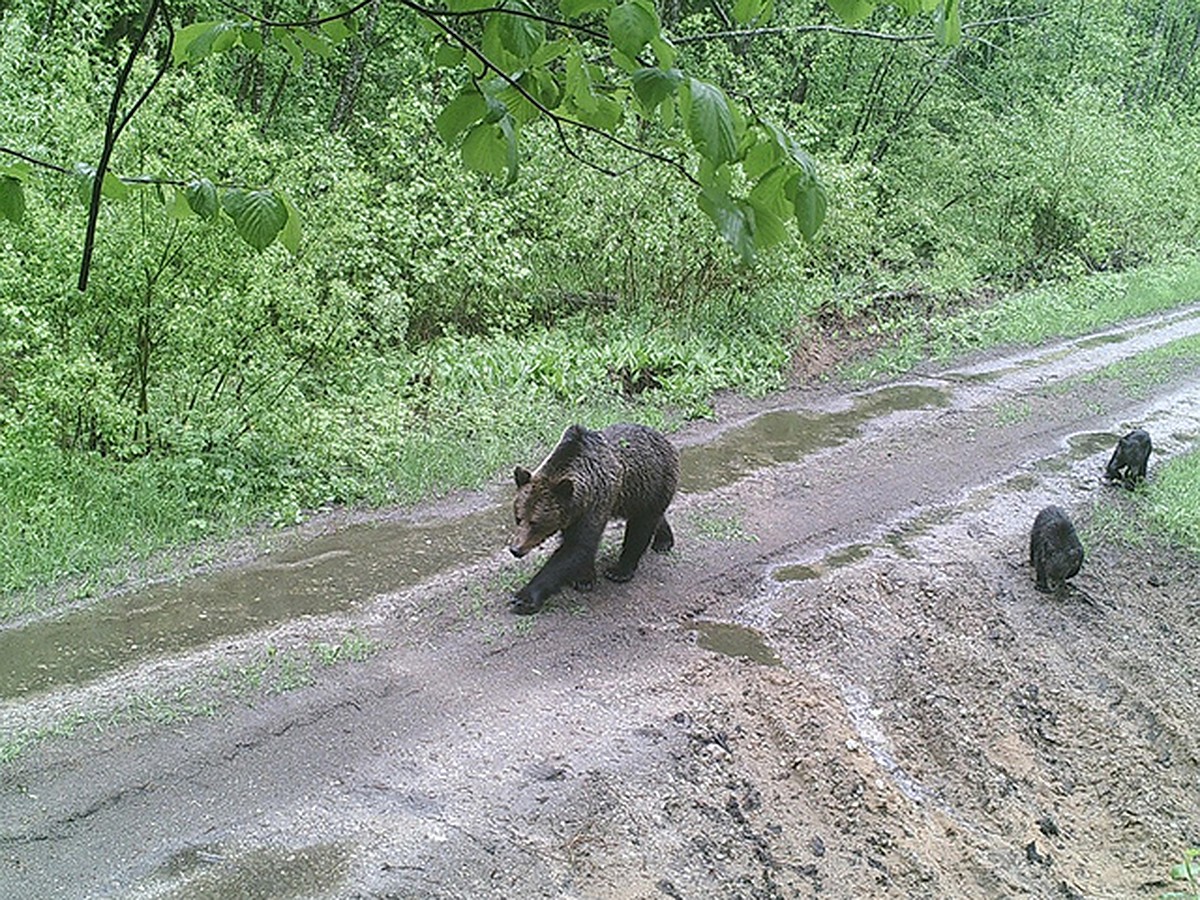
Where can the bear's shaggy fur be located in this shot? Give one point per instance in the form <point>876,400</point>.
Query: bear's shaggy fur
<point>1054,549</point>
<point>1128,462</point>
<point>625,472</point>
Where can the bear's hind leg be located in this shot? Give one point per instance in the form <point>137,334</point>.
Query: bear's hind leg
<point>638,533</point>
<point>664,538</point>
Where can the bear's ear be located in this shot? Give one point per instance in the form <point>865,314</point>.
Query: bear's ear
<point>521,476</point>
<point>573,434</point>
<point>563,490</point>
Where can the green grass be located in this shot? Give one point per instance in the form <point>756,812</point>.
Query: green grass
<point>1032,316</point>
<point>1172,498</point>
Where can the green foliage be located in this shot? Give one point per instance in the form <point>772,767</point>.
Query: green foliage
<point>1188,872</point>
<point>1174,498</point>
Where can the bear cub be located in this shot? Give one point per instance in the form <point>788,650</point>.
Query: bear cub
<point>1128,463</point>
<point>625,472</point>
<point>1054,549</point>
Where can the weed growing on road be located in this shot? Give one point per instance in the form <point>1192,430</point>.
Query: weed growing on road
<point>713,526</point>
<point>1188,872</point>
<point>353,647</point>
<point>1012,412</point>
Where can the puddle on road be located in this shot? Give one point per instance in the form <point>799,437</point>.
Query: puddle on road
<point>329,574</point>
<point>842,556</point>
<point>784,436</point>
<point>214,873</point>
<point>1089,443</point>
<point>734,640</point>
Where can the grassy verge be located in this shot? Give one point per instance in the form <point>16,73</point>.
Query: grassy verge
<point>270,671</point>
<point>1032,316</point>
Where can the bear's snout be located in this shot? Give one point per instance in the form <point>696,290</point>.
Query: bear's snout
<point>517,551</point>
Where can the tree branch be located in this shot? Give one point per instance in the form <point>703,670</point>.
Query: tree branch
<point>112,129</point>
<point>558,121</point>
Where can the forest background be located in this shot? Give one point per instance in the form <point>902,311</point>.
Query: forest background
<point>434,324</point>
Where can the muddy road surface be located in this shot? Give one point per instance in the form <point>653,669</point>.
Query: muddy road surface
<point>841,683</point>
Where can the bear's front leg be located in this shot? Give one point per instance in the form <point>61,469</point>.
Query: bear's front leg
<point>574,562</point>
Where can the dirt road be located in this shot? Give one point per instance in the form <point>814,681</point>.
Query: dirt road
<point>841,684</point>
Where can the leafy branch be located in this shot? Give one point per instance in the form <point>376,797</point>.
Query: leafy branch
<point>523,66</point>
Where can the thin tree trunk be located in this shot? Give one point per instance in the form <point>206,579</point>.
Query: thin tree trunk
<point>352,80</point>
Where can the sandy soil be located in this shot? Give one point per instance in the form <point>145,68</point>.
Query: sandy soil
<point>841,684</point>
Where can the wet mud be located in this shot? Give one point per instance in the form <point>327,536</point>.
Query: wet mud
<point>854,692</point>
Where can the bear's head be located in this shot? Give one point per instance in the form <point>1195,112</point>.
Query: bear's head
<point>541,508</point>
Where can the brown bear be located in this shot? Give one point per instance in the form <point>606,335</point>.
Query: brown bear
<point>1054,549</point>
<point>625,472</point>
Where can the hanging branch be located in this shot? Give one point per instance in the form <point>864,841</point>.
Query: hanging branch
<point>113,129</point>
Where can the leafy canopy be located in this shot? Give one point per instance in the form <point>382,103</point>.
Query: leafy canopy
<point>597,70</point>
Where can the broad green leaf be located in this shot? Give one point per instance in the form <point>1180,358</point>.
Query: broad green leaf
<point>290,235</point>
<point>521,36</point>
<point>632,25</point>
<point>201,196</point>
<point>653,86</point>
<point>448,56</point>
<point>252,41</point>
<point>664,51</point>
<point>947,24</point>
<point>516,103</point>
<point>710,122</point>
<point>226,36</point>
<point>579,82</point>
<point>494,47</point>
<point>259,216</point>
<point>315,44</point>
<point>336,30</point>
<point>113,187</point>
<point>468,5</point>
<point>460,113</point>
<point>605,113</point>
<point>731,220</point>
<point>574,8</point>
<point>767,226</point>
<point>852,11</point>
<point>770,192</point>
<point>195,41</point>
<point>285,39</point>
<point>748,12</point>
<point>19,170</point>
<point>179,208</point>
<point>485,149</point>
<point>84,177</point>
<point>12,199</point>
<point>791,149</point>
<point>549,52</point>
<point>810,203</point>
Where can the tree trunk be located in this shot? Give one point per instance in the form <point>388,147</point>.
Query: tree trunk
<point>344,108</point>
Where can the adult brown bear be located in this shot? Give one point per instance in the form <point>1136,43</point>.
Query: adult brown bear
<point>625,472</point>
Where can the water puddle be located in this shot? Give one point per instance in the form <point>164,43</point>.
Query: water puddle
<point>784,436</point>
<point>216,873</point>
<point>842,556</point>
<point>737,641</point>
<point>1089,443</point>
<point>329,574</point>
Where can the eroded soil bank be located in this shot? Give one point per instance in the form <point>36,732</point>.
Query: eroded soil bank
<point>841,684</point>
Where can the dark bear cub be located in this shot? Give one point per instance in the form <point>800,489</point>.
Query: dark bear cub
<point>625,472</point>
<point>1054,549</point>
<point>1128,463</point>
